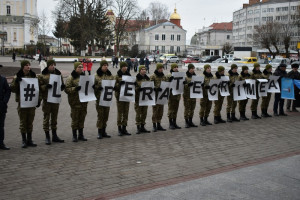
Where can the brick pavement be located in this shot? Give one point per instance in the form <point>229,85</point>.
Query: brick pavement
<point>106,168</point>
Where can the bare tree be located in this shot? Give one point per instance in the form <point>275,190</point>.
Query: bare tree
<point>43,29</point>
<point>227,48</point>
<point>287,30</point>
<point>158,11</point>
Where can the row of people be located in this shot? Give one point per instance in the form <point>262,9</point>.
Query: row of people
<point>79,109</point>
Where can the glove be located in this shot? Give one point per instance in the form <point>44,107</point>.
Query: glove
<point>233,85</point>
<point>207,87</point>
<point>219,85</point>
<point>141,89</point>
<point>62,87</point>
<point>78,88</point>
<point>114,88</point>
<point>135,83</point>
<point>202,84</point>
<point>171,89</point>
<point>159,89</point>
<point>122,82</point>
<point>171,78</point>
<point>49,86</point>
<point>38,105</point>
<point>190,84</point>
<point>245,84</point>
<point>93,86</point>
<point>184,82</point>
<point>18,79</point>
<point>100,88</point>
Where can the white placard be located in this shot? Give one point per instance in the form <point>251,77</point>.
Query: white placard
<point>177,83</point>
<point>196,91</point>
<point>29,92</point>
<point>163,96</point>
<point>86,93</point>
<point>127,92</point>
<point>273,84</point>
<point>106,95</point>
<point>224,88</point>
<point>54,93</point>
<point>262,87</point>
<point>239,91</point>
<point>147,95</point>
<point>213,91</point>
<point>250,90</point>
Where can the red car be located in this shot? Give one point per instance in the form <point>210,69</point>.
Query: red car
<point>190,60</point>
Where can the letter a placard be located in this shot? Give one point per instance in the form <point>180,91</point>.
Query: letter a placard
<point>54,93</point>
<point>87,92</point>
<point>29,92</point>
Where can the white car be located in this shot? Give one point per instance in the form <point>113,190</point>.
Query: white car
<point>277,61</point>
<point>172,59</point>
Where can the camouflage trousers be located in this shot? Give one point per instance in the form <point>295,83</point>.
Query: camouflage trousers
<point>50,113</point>
<point>254,103</point>
<point>141,114</point>
<point>205,105</point>
<point>231,104</point>
<point>158,112</point>
<point>102,117</point>
<point>173,105</point>
<point>189,107</point>
<point>265,101</point>
<point>242,105</point>
<point>78,115</point>
<point>218,105</point>
<point>26,116</point>
<point>123,110</point>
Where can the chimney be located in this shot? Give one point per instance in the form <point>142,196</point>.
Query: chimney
<point>265,1</point>
<point>245,5</point>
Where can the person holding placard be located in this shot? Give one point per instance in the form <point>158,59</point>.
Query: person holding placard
<point>78,109</point>
<point>26,115</point>
<point>173,103</point>
<point>281,72</point>
<point>293,74</point>
<point>231,104</point>
<point>122,106</point>
<point>205,103</point>
<point>266,100</point>
<point>243,103</point>
<point>158,110</point>
<point>141,111</point>
<point>103,112</point>
<point>189,103</point>
<point>218,104</point>
<point>256,74</point>
<point>50,109</point>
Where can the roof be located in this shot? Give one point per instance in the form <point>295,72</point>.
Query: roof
<point>222,26</point>
<point>175,15</point>
<point>161,24</point>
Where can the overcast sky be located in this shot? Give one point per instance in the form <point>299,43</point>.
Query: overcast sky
<point>194,13</point>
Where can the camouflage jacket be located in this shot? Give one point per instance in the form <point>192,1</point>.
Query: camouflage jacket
<point>232,78</point>
<point>256,74</point>
<point>118,79</point>
<point>266,74</point>
<point>188,79</point>
<point>139,80</point>
<point>244,76</point>
<point>157,78</point>
<point>15,86</point>
<point>100,75</point>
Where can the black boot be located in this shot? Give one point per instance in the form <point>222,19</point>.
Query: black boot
<point>216,120</point>
<point>191,122</point>
<point>154,129</point>
<point>55,138</point>
<point>266,113</point>
<point>24,140</point>
<point>160,128</point>
<point>120,131</point>
<point>138,131</point>
<point>228,117</point>
<point>104,134</point>
<point>221,120</point>
<point>233,118</point>
<point>75,139</point>
<point>81,136</point>
<point>99,134</point>
<point>243,116</point>
<point>282,114</point>
<point>276,114</point>
<point>254,115</point>
<point>202,123</point>
<point>3,146</point>
<point>29,140</point>
<point>143,129</point>
<point>187,123</point>
<point>47,140</point>
<point>206,121</point>
<point>125,132</point>
<point>263,114</point>
<point>175,124</point>
<point>171,122</point>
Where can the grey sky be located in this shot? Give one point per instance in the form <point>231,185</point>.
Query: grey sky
<point>194,13</point>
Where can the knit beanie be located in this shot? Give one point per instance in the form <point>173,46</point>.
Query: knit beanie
<point>159,66</point>
<point>123,64</point>
<point>282,65</point>
<point>234,66</point>
<point>268,66</point>
<point>244,68</point>
<point>51,62</point>
<point>206,67</point>
<point>141,67</point>
<point>191,66</point>
<point>173,65</point>
<point>256,65</point>
<point>221,68</point>
<point>103,62</point>
<point>24,62</point>
<point>76,64</point>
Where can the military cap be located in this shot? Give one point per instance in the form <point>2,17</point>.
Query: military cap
<point>221,68</point>
<point>51,62</point>
<point>123,64</point>
<point>141,67</point>
<point>206,67</point>
<point>174,65</point>
<point>256,65</point>
<point>268,66</point>
<point>76,64</point>
<point>24,62</point>
<point>245,68</point>
<point>159,66</point>
<point>234,66</point>
<point>103,62</point>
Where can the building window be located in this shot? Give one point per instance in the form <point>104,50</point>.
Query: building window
<point>270,9</point>
<point>163,37</point>
<point>156,37</point>
<point>282,9</point>
<point>228,37</point>
<point>264,10</point>
<point>15,36</point>
<point>178,49</point>
<point>256,20</point>
<point>163,49</point>
<point>8,10</point>
<point>257,11</point>
<point>171,49</point>
<point>178,37</point>
<point>156,48</point>
<point>172,37</point>
<point>250,12</point>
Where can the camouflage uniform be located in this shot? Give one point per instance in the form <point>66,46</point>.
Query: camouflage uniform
<point>219,102</point>
<point>266,100</point>
<point>242,103</point>
<point>255,75</point>
<point>205,103</point>
<point>231,104</point>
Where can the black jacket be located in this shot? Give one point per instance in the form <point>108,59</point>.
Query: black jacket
<point>4,94</point>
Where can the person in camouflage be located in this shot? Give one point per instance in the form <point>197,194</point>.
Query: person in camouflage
<point>26,115</point>
<point>141,111</point>
<point>50,109</point>
<point>157,110</point>
<point>243,103</point>
<point>266,100</point>
<point>189,103</point>
<point>173,103</point>
<point>257,74</point>
<point>205,103</point>
<point>103,112</point>
<point>218,103</point>
<point>78,109</point>
<point>231,104</point>
<point>122,106</point>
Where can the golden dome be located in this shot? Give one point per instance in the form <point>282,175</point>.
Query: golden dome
<point>175,15</point>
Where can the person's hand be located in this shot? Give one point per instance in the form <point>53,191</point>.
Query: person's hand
<point>114,88</point>
<point>62,87</point>
<point>18,79</point>
<point>171,78</point>
<point>78,88</point>
<point>245,85</point>
<point>184,82</point>
<point>93,86</point>
<point>141,89</point>
<point>190,84</point>
<point>135,83</point>
<point>159,89</point>
<point>207,87</point>
<point>233,85</point>
<point>122,82</point>
<point>49,86</point>
<point>202,85</point>
<point>100,88</point>
<point>38,105</point>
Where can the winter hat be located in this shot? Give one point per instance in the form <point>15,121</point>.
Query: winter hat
<point>76,64</point>
<point>141,67</point>
<point>282,65</point>
<point>206,67</point>
<point>256,65</point>
<point>234,66</point>
<point>159,66</point>
<point>173,65</point>
<point>51,62</point>
<point>123,64</point>
<point>244,68</point>
<point>24,62</point>
<point>295,65</point>
<point>268,66</point>
<point>191,66</point>
<point>103,62</point>
<point>221,68</point>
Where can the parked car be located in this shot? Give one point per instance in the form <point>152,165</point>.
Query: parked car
<point>234,60</point>
<point>172,59</point>
<point>248,60</point>
<point>209,59</point>
<point>278,61</point>
<point>190,60</point>
<point>219,60</point>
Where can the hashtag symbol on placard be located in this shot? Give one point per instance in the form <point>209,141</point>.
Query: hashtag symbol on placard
<point>29,92</point>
